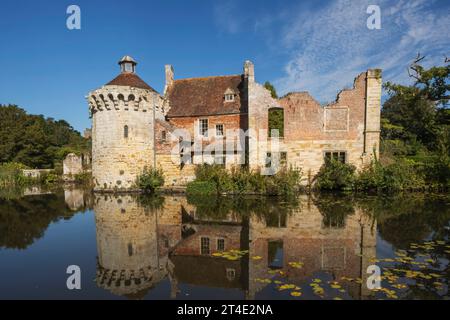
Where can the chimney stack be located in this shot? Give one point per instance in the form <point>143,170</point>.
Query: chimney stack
<point>169,76</point>
<point>249,71</point>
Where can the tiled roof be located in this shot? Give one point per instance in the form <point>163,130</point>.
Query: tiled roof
<point>205,96</point>
<point>129,79</point>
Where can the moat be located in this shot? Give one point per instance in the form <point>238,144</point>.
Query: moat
<point>172,247</point>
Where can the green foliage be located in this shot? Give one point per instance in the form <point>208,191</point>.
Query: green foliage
<point>84,178</point>
<point>276,121</point>
<point>240,180</point>
<point>36,141</point>
<point>50,178</point>
<point>216,174</point>
<point>335,175</point>
<point>11,175</point>
<point>271,88</point>
<point>420,111</point>
<point>415,133</point>
<point>150,179</point>
<point>403,174</point>
<point>204,188</point>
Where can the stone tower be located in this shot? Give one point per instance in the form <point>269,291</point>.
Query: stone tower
<point>129,262</point>
<point>372,115</point>
<point>123,114</point>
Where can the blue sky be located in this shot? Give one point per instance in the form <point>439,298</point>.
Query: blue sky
<point>316,46</point>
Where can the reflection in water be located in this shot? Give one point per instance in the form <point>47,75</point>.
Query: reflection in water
<point>138,247</point>
<point>133,244</point>
<point>26,215</point>
<point>316,246</point>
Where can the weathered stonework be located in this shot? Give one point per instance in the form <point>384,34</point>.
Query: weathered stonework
<point>139,246</point>
<point>350,125</point>
<point>72,164</point>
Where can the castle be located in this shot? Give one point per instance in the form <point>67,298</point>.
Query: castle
<point>225,120</point>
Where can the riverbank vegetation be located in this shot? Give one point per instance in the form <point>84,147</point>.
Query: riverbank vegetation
<point>150,179</point>
<point>216,179</point>
<point>33,141</point>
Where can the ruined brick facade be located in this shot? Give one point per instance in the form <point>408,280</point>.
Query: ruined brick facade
<point>133,126</point>
<point>138,247</point>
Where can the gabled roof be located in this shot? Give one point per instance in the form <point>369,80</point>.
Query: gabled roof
<point>205,96</point>
<point>131,80</point>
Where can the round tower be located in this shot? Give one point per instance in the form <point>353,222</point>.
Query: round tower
<point>123,114</point>
<point>129,261</point>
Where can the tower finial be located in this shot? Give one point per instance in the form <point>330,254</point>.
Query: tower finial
<point>127,64</point>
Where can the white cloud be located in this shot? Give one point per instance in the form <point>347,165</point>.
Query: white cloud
<point>331,45</point>
<point>226,16</point>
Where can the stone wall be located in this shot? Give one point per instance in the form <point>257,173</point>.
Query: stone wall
<point>351,124</point>
<point>343,251</point>
<point>132,251</point>
<point>117,158</point>
<point>72,164</point>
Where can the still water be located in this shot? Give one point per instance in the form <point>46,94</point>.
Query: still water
<point>173,247</point>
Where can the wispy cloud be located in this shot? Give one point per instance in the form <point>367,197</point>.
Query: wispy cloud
<point>226,16</point>
<point>330,45</point>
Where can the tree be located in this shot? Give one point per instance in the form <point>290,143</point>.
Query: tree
<point>34,140</point>
<point>271,88</point>
<point>422,108</point>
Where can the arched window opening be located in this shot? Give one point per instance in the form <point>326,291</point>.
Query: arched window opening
<point>130,249</point>
<point>125,131</point>
<point>276,122</point>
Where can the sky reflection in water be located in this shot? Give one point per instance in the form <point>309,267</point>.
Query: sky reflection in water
<point>312,247</point>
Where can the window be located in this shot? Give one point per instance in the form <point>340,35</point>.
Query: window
<point>275,254</point>
<point>276,122</point>
<point>229,97</point>
<point>130,249</point>
<point>283,159</point>
<point>163,135</point>
<point>219,130</point>
<point>203,127</point>
<point>219,158</point>
<point>268,160</point>
<point>336,155</point>
<point>220,244</point>
<point>125,131</point>
<point>231,274</point>
<point>204,245</point>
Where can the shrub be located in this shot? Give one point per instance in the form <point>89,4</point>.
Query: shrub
<point>241,180</point>
<point>11,175</point>
<point>201,188</point>
<point>217,174</point>
<point>150,179</point>
<point>403,174</point>
<point>335,175</point>
<point>49,178</point>
<point>287,181</point>
<point>83,178</point>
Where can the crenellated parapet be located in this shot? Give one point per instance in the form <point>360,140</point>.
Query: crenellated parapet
<point>111,97</point>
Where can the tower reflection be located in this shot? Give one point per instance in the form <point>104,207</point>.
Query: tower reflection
<point>142,241</point>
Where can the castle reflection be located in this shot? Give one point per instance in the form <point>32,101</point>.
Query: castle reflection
<point>142,241</point>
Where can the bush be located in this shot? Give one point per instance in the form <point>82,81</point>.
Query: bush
<point>49,178</point>
<point>11,175</point>
<point>201,188</point>
<point>216,174</point>
<point>241,180</point>
<point>83,178</point>
<point>403,174</point>
<point>335,175</point>
<point>150,179</point>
